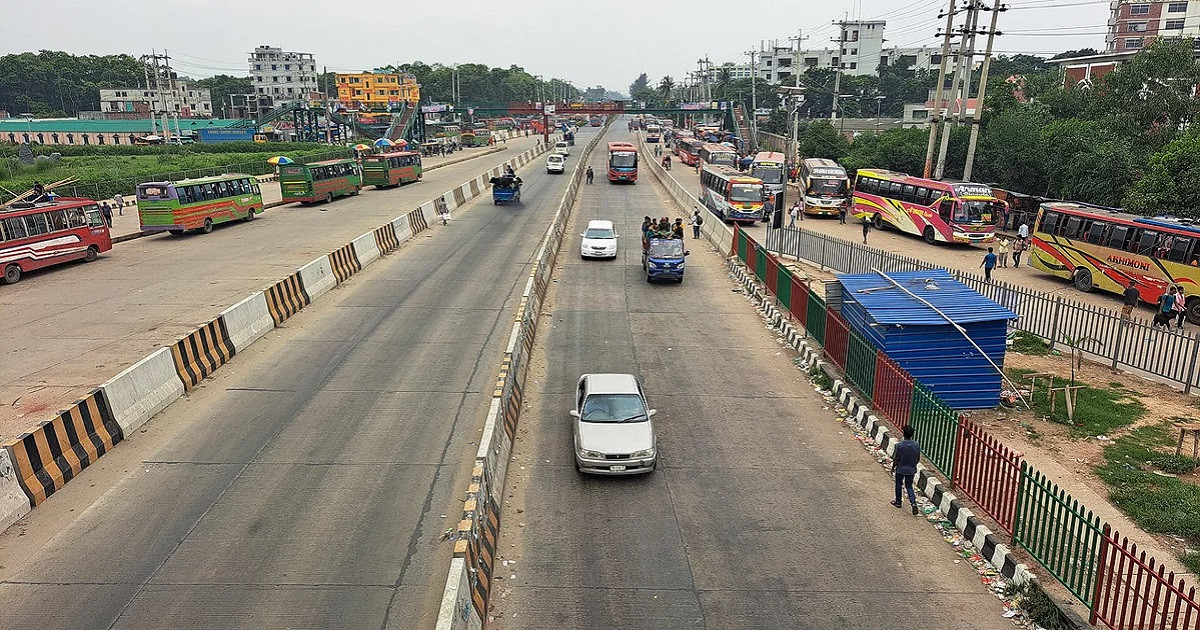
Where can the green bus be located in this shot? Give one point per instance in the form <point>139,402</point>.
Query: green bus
<point>320,181</point>
<point>391,169</point>
<point>476,138</point>
<point>198,204</point>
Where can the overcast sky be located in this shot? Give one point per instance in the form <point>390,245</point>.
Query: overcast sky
<point>608,42</point>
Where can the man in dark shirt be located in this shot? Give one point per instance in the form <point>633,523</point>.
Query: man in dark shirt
<point>904,466</point>
<point>1131,299</point>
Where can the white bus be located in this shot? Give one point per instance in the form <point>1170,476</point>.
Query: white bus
<point>731,195</point>
<point>824,188</point>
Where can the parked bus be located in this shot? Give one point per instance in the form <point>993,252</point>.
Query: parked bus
<point>771,168</point>
<point>945,212</point>
<point>320,181</point>
<point>711,153</point>
<point>653,132</point>
<point>824,186</point>
<point>391,169</point>
<point>622,162</point>
<point>1097,247</point>
<point>731,195</point>
<point>36,235</point>
<point>198,204</point>
<point>688,150</point>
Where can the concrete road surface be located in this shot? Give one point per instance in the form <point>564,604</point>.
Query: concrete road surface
<point>307,485</point>
<point>763,514</point>
<point>74,326</point>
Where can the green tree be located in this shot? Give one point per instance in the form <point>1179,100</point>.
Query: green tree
<point>222,85</point>
<point>54,81</point>
<point>819,139</point>
<point>1171,184</point>
<point>666,86</point>
<point>639,84</point>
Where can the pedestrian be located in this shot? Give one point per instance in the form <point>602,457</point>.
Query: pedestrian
<point>445,216</point>
<point>590,174</point>
<point>697,221</point>
<point>988,264</point>
<point>667,162</point>
<point>768,207</point>
<point>866,226</point>
<point>1018,247</point>
<point>1002,255</point>
<point>842,214</point>
<point>120,201</point>
<point>904,466</point>
<point>1179,307</point>
<point>793,213</point>
<point>1132,297</point>
<point>106,212</point>
<point>1023,231</point>
<point>1166,307</point>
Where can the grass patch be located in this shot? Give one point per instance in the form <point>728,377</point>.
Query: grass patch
<point>1116,385</point>
<point>1158,504</point>
<point>1030,344</point>
<point>1191,560</point>
<point>1038,606</point>
<point>1098,410</point>
<point>820,378</point>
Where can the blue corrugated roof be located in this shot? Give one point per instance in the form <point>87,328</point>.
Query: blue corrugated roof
<point>888,305</point>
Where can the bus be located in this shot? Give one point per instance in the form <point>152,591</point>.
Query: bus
<point>320,181</point>
<point>622,162</point>
<point>688,150</point>
<point>198,204</point>
<point>653,132</point>
<point>476,138</point>
<point>1096,247</point>
<point>771,168</point>
<point>940,212</point>
<point>824,186</point>
<point>391,169</point>
<point>731,195</point>
<point>36,235</point>
<point>711,153</point>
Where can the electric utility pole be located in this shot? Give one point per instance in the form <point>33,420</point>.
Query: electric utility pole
<point>969,167</point>
<point>752,140</point>
<point>935,113</point>
<point>837,78</point>
<point>955,90</point>
<point>794,114</point>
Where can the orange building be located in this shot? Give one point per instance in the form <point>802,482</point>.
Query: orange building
<point>367,90</point>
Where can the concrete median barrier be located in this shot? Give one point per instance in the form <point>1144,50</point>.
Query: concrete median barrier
<point>344,263</point>
<point>200,353</point>
<point>142,390</point>
<point>13,502</point>
<point>247,321</point>
<point>366,249</point>
<point>317,277</point>
<point>402,227</point>
<point>52,453</point>
<point>286,297</point>
<point>385,238</point>
<point>419,218</point>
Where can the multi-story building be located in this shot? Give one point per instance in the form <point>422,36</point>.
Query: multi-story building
<point>368,90</point>
<point>285,76</point>
<point>185,101</point>
<point>861,54</point>
<point>1134,24</point>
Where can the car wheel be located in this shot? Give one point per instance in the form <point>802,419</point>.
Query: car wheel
<point>649,278</point>
<point>208,226</point>
<point>91,254</point>
<point>930,235</point>
<point>1083,279</point>
<point>12,274</point>
<point>679,280</point>
<point>357,189</point>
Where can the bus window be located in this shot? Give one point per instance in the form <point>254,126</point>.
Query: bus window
<point>1147,242</point>
<point>37,224</point>
<point>57,220</point>
<point>894,189</point>
<point>184,193</point>
<point>75,218</point>
<point>921,196</point>
<point>14,228</point>
<point>1180,247</point>
<point>1072,228</point>
<point>946,209</point>
<point>1095,233</point>
<point>1118,236</point>
<point>909,193</point>
<point>94,218</point>
<point>222,189</point>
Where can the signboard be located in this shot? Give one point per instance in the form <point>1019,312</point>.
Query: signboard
<point>433,109</point>
<point>548,109</point>
<point>828,171</point>
<point>972,190</point>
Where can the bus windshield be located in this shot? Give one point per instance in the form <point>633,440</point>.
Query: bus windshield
<point>977,212</point>
<point>623,160</point>
<point>830,187</point>
<point>768,174</point>
<point>745,192</point>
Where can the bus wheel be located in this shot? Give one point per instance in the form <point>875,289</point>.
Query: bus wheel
<point>930,235</point>
<point>1083,279</point>
<point>357,189</point>
<point>1192,308</point>
<point>328,197</point>
<point>12,274</point>
<point>91,254</point>
<point>207,229</point>
<point>877,221</point>
<point>250,215</point>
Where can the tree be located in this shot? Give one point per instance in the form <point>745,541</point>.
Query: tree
<point>819,139</point>
<point>222,85</point>
<point>1071,54</point>
<point>665,87</point>
<point>639,84</point>
<point>1171,185</point>
<point>50,80</point>
<point>1005,66</point>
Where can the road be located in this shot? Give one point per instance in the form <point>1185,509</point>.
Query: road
<point>74,326</point>
<point>763,513</point>
<point>307,484</point>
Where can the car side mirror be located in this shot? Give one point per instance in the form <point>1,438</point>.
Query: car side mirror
<point>616,236</point>
<point>581,234</point>
<point>574,414</point>
<point>651,413</point>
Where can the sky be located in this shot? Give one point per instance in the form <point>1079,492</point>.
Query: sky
<point>591,43</point>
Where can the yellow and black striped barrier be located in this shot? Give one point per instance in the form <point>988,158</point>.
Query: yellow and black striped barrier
<point>344,263</point>
<point>385,238</point>
<point>200,353</point>
<point>416,219</point>
<point>459,197</point>
<point>286,297</point>
<point>52,453</point>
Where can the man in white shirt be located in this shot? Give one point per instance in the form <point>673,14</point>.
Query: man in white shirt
<point>1023,231</point>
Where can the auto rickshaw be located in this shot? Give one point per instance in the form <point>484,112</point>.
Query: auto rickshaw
<point>663,258</point>
<point>506,188</point>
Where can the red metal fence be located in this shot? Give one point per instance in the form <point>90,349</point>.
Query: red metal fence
<point>837,336</point>
<point>893,391</point>
<point>1133,591</point>
<point>988,472</point>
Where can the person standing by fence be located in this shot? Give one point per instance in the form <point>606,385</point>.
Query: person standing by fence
<point>1179,307</point>
<point>988,264</point>
<point>1131,297</point>
<point>904,466</point>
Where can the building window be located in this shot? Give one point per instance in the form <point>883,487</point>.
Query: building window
<point>258,66</point>
<point>853,51</point>
<point>85,139</point>
<point>287,66</point>
<point>1139,9</point>
<point>935,59</point>
<point>811,62</point>
<point>116,139</point>
<point>1177,7</point>
<point>1132,43</point>
<point>1173,25</point>
<point>853,65</point>
<point>274,67</point>
<point>100,138</point>
<point>1135,27</point>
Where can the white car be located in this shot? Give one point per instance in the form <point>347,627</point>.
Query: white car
<point>614,433</point>
<point>599,240</point>
<point>556,163</point>
<point>562,147</point>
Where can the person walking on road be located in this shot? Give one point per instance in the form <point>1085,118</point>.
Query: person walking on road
<point>120,201</point>
<point>904,466</point>
<point>793,213</point>
<point>1131,299</point>
<point>1018,247</point>
<point>866,227</point>
<point>842,214</point>
<point>988,264</point>
<point>1023,230</point>
<point>1002,255</point>
<point>1179,307</point>
<point>106,212</point>
<point>590,174</point>
<point>1166,308</point>
<point>697,221</point>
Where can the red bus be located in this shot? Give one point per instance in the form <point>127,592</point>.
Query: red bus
<point>622,162</point>
<point>36,235</point>
<point>688,150</point>
<point>946,212</point>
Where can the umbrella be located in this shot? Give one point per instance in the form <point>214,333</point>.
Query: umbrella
<point>361,147</point>
<point>383,142</point>
<point>401,143</point>
<point>279,160</point>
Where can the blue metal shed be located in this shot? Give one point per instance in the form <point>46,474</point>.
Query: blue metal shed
<point>921,341</point>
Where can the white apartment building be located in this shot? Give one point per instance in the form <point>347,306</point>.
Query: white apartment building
<point>185,101</point>
<point>861,54</point>
<point>285,76</point>
<point>1134,24</point>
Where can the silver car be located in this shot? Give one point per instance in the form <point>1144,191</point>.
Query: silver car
<point>614,433</point>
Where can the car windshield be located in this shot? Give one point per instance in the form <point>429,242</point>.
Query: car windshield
<point>977,212</point>
<point>598,233</point>
<point>745,192</point>
<point>666,249</point>
<point>769,174</point>
<point>834,187</point>
<point>613,408</point>
<point>624,160</point>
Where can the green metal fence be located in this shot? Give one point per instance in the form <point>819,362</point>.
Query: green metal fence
<point>760,262</point>
<point>783,292</point>
<point>741,245</point>
<point>860,363</point>
<point>1060,533</point>
<point>936,427</point>
<point>816,317</point>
